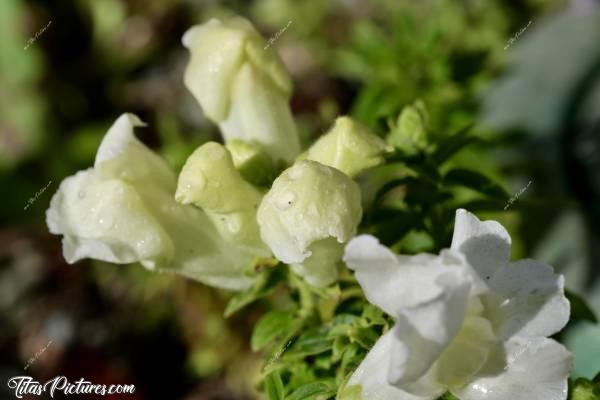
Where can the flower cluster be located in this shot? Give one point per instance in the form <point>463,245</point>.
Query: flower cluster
<point>212,223</point>
<point>467,321</point>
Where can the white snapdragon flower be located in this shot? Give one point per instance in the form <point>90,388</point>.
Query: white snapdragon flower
<point>240,86</point>
<point>123,211</point>
<point>309,213</point>
<point>468,320</point>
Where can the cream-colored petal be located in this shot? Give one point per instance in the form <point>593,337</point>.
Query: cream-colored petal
<point>307,203</point>
<point>260,113</point>
<point>217,53</point>
<point>537,369</point>
<point>210,181</point>
<point>348,146</point>
<point>123,211</point>
<point>467,354</point>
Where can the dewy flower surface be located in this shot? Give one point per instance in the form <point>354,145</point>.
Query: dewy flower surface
<point>123,211</point>
<point>210,181</point>
<point>240,86</point>
<point>467,320</point>
<point>310,211</point>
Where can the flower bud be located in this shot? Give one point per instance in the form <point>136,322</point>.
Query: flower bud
<point>240,86</point>
<point>311,210</point>
<point>349,146</point>
<point>122,211</point>
<point>410,132</point>
<point>210,181</point>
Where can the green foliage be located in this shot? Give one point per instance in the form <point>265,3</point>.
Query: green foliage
<point>580,310</point>
<point>274,387</point>
<point>583,389</point>
<point>272,325</point>
<point>264,285</point>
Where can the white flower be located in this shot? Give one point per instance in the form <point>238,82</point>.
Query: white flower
<point>468,320</point>
<point>122,211</point>
<point>310,211</point>
<point>240,86</point>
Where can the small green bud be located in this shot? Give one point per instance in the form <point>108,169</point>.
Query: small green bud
<point>410,132</point>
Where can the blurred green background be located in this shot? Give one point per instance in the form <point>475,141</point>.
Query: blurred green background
<point>525,73</point>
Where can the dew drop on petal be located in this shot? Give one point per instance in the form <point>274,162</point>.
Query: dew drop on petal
<point>285,201</point>
<point>233,225</point>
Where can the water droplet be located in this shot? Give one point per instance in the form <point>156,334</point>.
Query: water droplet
<point>233,225</point>
<point>285,201</point>
<point>106,222</point>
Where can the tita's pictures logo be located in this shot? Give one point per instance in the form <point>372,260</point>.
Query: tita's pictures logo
<point>26,385</point>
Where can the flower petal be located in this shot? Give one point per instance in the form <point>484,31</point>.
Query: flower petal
<point>260,112</point>
<point>468,352</point>
<point>422,332</point>
<point>537,369</point>
<point>216,55</point>
<point>240,86</point>
<point>390,281</point>
<point>528,299</point>
<point>372,375</point>
<point>123,211</point>
<point>486,245</point>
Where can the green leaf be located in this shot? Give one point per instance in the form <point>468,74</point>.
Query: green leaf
<point>583,389</point>
<point>476,181</point>
<point>265,283</point>
<point>313,341</point>
<point>394,229</point>
<point>352,357</point>
<point>314,391</point>
<point>373,315</point>
<point>353,392</point>
<point>272,325</point>
<point>274,387</point>
<point>452,144</point>
<point>580,310</point>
